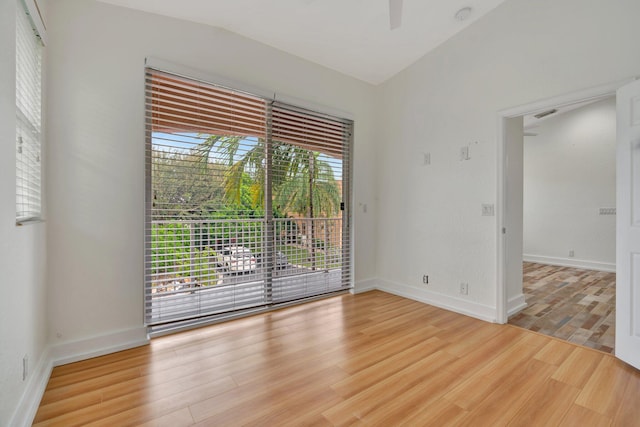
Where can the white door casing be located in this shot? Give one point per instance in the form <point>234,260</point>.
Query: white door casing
<point>514,147</point>
<point>627,347</point>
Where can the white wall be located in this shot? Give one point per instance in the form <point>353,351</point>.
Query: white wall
<point>569,173</point>
<point>429,217</point>
<point>420,219</point>
<point>96,144</point>
<point>22,258</point>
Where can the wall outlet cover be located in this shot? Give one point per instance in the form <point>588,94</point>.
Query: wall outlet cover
<point>488,209</point>
<point>464,288</point>
<point>464,153</point>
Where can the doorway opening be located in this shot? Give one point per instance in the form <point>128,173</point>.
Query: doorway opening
<point>557,214</point>
<point>569,227</point>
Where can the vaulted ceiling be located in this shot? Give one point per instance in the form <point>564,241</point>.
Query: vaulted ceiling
<point>349,36</point>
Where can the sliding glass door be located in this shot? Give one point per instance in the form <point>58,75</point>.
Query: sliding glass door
<point>247,201</point>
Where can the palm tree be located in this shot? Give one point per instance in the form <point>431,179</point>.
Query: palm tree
<point>301,182</point>
<point>290,164</point>
<point>310,185</point>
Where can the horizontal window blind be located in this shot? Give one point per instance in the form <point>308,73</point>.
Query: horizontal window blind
<point>309,130</point>
<point>28,119</point>
<point>194,264</point>
<point>310,167</point>
<point>182,105</point>
<point>246,201</point>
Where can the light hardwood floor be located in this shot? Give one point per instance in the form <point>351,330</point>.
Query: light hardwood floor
<point>369,359</point>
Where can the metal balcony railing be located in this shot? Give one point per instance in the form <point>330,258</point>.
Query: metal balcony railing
<point>210,266</point>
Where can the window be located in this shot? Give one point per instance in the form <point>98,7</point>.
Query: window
<point>247,202</point>
<point>28,111</point>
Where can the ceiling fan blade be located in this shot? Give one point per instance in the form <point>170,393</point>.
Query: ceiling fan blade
<point>395,13</point>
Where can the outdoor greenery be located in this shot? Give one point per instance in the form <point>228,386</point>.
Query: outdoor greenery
<point>186,188</point>
<point>217,181</point>
<point>168,247</point>
<point>301,182</point>
<point>181,190</point>
<point>301,256</point>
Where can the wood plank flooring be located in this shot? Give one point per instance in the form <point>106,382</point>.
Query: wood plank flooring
<point>368,359</point>
<point>572,304</point>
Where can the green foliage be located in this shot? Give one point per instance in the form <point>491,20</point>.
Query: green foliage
<point>213,184</point>
<point>182,187</point>
<point>298,255</point>
<point>318,243</point>
<point>300,180</point>
<point>173,258</point>
<point>311,188</point>
<point>219,234</point>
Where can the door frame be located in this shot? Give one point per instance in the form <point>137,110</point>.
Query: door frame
<point>502,216</point>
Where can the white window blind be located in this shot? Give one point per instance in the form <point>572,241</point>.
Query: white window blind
<point>247,201</point>
<point>201,250</point>
<point>310,172</point>
<point>29,123</point>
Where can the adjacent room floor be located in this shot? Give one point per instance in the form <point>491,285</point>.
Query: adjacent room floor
<point>569,303</point>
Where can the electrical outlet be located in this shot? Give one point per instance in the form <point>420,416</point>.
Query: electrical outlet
<point>25,367</point>
<point>464,153</point>
<point>488,209</point>
<point>464,288</point>
<point>425,279</point>
<point>427,159</point>
<point>571,253</point>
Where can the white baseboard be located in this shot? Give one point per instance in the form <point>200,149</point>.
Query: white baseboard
<point>516,304</point>
<point>67,353</point>
<point>365,286</point>
<point>571,262</point>
<point>100,345</point>
<point>458,305</point>
<point>30,400</point>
